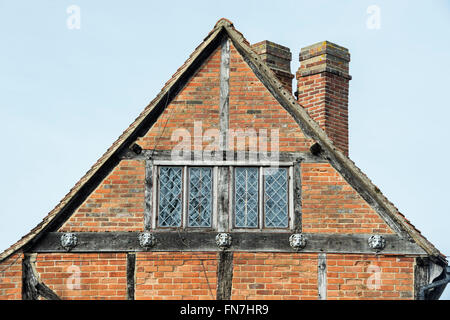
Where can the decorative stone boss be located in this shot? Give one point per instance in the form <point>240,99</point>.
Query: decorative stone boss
<point>377,242</point>
<point>223,240</point>
<point>297,241</point>
<point>68,241</point>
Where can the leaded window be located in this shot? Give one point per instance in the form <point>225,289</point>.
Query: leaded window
<point>261,197</point>
<point>276,198</point>
<point>200,197</point>
<point>185,197</point>
<point>170,196</point>
<point>246,197</point>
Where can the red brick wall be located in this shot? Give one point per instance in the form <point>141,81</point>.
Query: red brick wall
<point>252,106</point>
<point>193,275</point>
<point>198,101</point>
<point>116,205</point>
<point>369,277</point>
<point>102,276</point>
<point>331,205</point>
<point>11,278</point>
<point>176,275</point>
<point>274,276</point>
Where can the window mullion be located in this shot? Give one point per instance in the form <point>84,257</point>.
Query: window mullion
<point>185,197</point>
<point>155,195</point>
<point>261,197</point>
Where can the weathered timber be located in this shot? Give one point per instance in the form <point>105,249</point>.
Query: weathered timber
<point>322,276</point>
<point>131,272</point>
<point>421,275</point>
<point>297,197</point>
<point>148,195</point>
<point>223,181</point>
<point>242,241</point>
<point>227,156</point>
<point>32,286</point>
<point>224,275</point>
<point>29,281</point>
<point>224,93</point>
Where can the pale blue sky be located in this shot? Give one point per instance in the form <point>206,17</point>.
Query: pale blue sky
<point>66,95</point>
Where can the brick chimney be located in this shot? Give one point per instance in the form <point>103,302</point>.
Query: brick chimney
<point>278,58</point>
<point>322,84</point>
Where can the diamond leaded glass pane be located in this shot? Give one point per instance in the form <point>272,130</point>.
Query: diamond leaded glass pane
<point>246,197</point>
<point>200,197</point>
<point>275,198</point>
<point>170,197</point>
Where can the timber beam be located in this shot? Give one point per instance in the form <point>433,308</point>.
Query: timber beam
<point>241,241</point>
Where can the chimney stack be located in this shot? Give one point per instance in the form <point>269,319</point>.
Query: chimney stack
<point>278,58</point>
<point>322,89</point>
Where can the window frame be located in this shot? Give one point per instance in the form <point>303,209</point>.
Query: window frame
<point>185,165</point>
<point>263,205</point>
<point>184,198</point>
<point>232,209</point>
<point>188,184</point>
<point>158,197</point>
<point>261,201</point>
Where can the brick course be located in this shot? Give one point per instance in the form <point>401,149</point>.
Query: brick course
<point>269,276</point>
<point>11,277</point>
<point>331,205</point>
<point>369,277</point>
<point>116,205</point>
<point>177,275</point>
<point>102,276</point>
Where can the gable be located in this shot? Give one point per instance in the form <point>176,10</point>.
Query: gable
<point>294,140</point>
<point>329,204</point>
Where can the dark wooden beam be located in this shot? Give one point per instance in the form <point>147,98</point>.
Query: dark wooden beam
<point>166,155</point>
<point>46,292</point>
<point>421,275</point>
<point>241,241</point>
<point>224,275</point>
<point>32,286</point>
<point>297,196</point>
<point>29,281</point>
<point>131,275</point>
